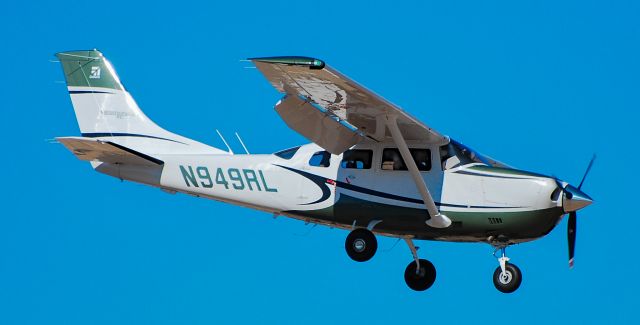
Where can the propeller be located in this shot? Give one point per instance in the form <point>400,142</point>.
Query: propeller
<point>593,158</point>
<point>571,236</point>
<point>572,225</point>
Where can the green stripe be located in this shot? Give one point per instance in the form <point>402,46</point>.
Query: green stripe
<point>471,224</point>
<point>292,60</point>
<point>87,69</point>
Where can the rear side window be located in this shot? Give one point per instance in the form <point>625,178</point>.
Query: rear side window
<point>287,153</point>
<point>357,159</point>
<point>320,159</point>
<point>392,160</point>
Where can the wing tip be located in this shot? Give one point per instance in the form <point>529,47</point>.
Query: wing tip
<point>310,62</point>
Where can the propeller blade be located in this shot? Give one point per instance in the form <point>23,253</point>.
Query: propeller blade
<point>587,171</point>
<point>571,236</point>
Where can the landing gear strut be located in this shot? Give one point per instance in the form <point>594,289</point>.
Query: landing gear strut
<point>507,277</point>
<point>361,245</point>
<point>419,274</point>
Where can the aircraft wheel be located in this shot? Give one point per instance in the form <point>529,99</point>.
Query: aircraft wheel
<point>361,245</point>
<point>509,281</point>
<point>423,279</point>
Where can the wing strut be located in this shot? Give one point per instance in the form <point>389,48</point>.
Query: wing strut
<point>437,220</point>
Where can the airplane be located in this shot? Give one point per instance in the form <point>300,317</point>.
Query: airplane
<point>371,168</point>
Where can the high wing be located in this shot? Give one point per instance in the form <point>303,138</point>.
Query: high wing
<point>332,110</point>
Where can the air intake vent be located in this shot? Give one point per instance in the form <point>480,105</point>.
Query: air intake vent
<point>495,221</point>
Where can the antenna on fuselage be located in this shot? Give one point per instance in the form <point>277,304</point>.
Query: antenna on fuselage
<point>242,143</point>
<point>225,141</point>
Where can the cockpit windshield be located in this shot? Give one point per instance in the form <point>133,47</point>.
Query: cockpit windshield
<point>456,154</point>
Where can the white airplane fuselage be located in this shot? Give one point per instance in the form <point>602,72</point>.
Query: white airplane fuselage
<point>483,202</point>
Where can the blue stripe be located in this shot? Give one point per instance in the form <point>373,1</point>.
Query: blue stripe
<point>326,192</point>
<point>407,199</point>
<point>464,172</point>
<point>319,180</point>
<point>104,134</point>
<point>139,154</point>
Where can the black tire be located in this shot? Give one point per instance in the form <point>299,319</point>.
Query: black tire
<point>510,282</point>
<point>423,279</point>
<point>361,245</point>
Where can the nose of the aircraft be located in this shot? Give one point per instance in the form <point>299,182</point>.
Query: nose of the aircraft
<point>574,199</point>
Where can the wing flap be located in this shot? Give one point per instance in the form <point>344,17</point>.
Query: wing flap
<point>317,124</point>
<point>106,151</point>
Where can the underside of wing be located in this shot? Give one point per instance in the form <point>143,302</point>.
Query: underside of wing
<point>332,103</point>
<point>107,152</point>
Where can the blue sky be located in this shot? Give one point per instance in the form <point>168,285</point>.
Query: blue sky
<point>540,85</point>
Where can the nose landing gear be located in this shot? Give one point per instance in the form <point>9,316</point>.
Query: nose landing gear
<point>507,277</point>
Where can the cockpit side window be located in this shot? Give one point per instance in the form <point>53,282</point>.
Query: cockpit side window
<point>320,159</point>
<point>392,160</point>
<point>422,157</point>
<point>357,159</point>
<point>287,153</point>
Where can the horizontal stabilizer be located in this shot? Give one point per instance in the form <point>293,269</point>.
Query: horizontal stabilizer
<point>108,152</point>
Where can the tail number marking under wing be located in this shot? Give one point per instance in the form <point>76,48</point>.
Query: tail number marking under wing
<point>237,179</point>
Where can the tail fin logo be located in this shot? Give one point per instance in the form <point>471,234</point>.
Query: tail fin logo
<point>95,73</point>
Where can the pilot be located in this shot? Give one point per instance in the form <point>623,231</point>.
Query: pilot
<point>326,159</point>
<point>398,163</point>
<point>448,157</point>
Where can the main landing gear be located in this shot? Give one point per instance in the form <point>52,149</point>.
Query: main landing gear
<point>507,277</point>
<point>419,274</point>
<point>361,245</point>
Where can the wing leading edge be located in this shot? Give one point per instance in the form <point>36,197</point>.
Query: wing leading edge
<point>332,110</point>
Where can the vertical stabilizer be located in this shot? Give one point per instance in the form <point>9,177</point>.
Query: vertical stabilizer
<point>105,109</point>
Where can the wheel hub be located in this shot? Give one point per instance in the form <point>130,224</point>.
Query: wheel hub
<point>359,245</point>
<point>505,277</point>
<point>420,277</point>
